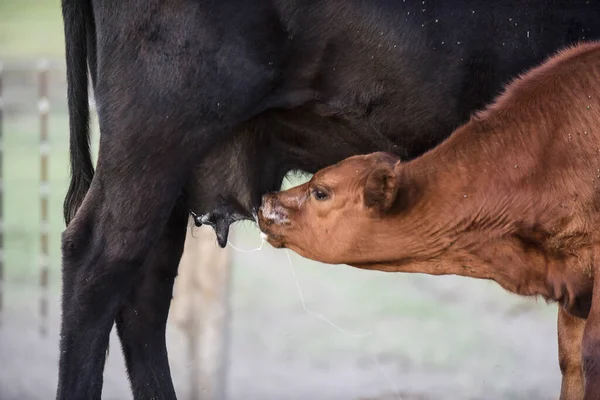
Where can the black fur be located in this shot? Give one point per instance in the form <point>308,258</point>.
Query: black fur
<point>206,105</point>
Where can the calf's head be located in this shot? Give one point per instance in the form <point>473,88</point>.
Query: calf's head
<point>329,218</point>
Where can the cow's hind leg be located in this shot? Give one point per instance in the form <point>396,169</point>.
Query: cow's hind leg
<point>141,321</point>
<point>143,165</point>
<point>104,248</point>
<point>166,94</point>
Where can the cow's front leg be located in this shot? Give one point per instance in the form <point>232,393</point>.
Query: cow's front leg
<point>570,335</point>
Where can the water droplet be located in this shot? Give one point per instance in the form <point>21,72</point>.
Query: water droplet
<point>588,107</point>
<point>442,42</point>
<point>527,33</point>
<point>408,13</point>
<point>422,25</point>
<point>394,46</point>
<point>510,19</point>
<point>465,196</point>
<point>436,20</point>
<point>422,10</point>
<point>589,97</point>
<point>585,133</point>
<point>516,166</point>
<point>458,42</point>
<point>380,33</point>
<point>472,11</point>
<point>270,62</point>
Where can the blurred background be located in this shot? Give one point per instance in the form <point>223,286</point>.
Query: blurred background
<point>277,328</point>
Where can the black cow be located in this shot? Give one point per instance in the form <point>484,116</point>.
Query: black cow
<point>205,105</point>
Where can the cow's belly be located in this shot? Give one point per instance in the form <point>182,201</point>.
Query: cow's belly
<point>320,134</point>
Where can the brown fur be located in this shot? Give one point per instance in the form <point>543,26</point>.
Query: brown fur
<point>510,196</point>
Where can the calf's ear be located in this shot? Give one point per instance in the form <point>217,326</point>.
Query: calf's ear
<point>381,187</point>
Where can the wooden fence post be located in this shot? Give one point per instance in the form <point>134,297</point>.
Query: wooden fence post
<point>2,279</point>
<point>200,308</point>
<point>43,109</point>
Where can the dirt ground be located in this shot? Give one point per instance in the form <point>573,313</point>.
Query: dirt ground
<point>431,338</point>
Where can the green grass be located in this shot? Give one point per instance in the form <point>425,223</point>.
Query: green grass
<point>31,28</point>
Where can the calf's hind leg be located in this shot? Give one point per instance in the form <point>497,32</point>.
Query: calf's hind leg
<point>141,321</point>
<point>570,335</point>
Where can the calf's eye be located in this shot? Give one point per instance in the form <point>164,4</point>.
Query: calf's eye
<point>320,194</point>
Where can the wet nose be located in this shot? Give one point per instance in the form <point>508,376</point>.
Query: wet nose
<point>266,205</point>
<point>267,201</point>
<point>265,198</point>
<point>271,210</point>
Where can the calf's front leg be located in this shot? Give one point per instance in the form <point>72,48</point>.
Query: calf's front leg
<point>590,349</point>
<point>570,335</point>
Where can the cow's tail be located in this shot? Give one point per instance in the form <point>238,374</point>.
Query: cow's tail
<point>75,15</point>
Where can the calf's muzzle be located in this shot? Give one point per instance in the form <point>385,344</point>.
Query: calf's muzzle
<point>272,212</point>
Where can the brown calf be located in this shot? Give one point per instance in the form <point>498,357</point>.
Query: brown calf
<point>512,196</point>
